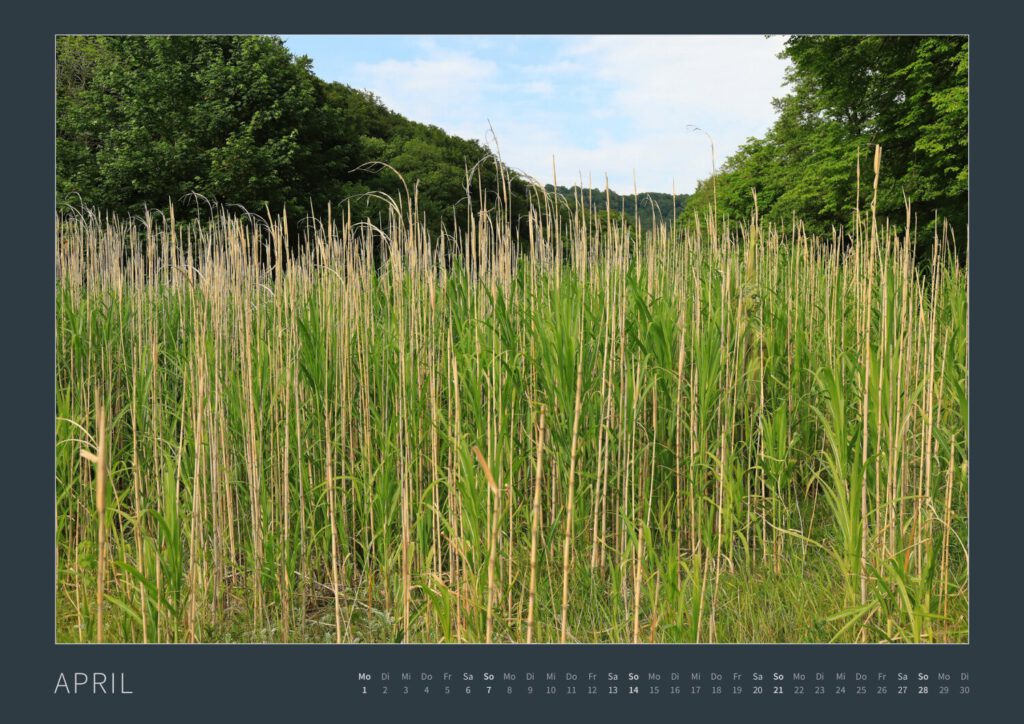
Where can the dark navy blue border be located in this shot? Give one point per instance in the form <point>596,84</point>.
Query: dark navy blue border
<point>229,683</point>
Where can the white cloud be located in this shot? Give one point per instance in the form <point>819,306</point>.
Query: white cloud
<point>439,89</point>
<point>599,104</point>
<point>665,81</point>
<point>657,160</point>
<point>540,87</point>
<point>662,86</point>
<point>552,68</point>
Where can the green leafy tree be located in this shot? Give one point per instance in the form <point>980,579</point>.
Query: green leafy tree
<point>908,94</point>
<point>146,120</point>
<point>237,119</point>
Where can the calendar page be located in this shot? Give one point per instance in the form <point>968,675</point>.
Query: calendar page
<point>524,371</point>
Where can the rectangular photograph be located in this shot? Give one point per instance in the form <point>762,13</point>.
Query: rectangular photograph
<point>507,339</point>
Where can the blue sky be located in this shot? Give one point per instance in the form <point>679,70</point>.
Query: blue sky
<point>614,105</point>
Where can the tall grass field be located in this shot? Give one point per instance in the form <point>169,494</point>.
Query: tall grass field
<point>551,429</point>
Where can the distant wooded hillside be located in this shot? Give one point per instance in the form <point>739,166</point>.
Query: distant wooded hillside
<point>647,208</point>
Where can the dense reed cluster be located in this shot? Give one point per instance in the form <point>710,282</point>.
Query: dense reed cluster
<point>717,432</point>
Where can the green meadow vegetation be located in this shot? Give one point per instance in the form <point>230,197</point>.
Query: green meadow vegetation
<point>710,431</point>
<point>327,374</point>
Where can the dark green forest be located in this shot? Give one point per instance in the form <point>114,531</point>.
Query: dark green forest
<point>847,94</point>
<point>147,121</point>
<point>143,122</point>
<point>642,209</point>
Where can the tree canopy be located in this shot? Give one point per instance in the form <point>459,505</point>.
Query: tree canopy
<point>907,94</point>
<point>143,121</point>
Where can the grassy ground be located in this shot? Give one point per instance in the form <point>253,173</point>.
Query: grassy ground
<point>719,433</point>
